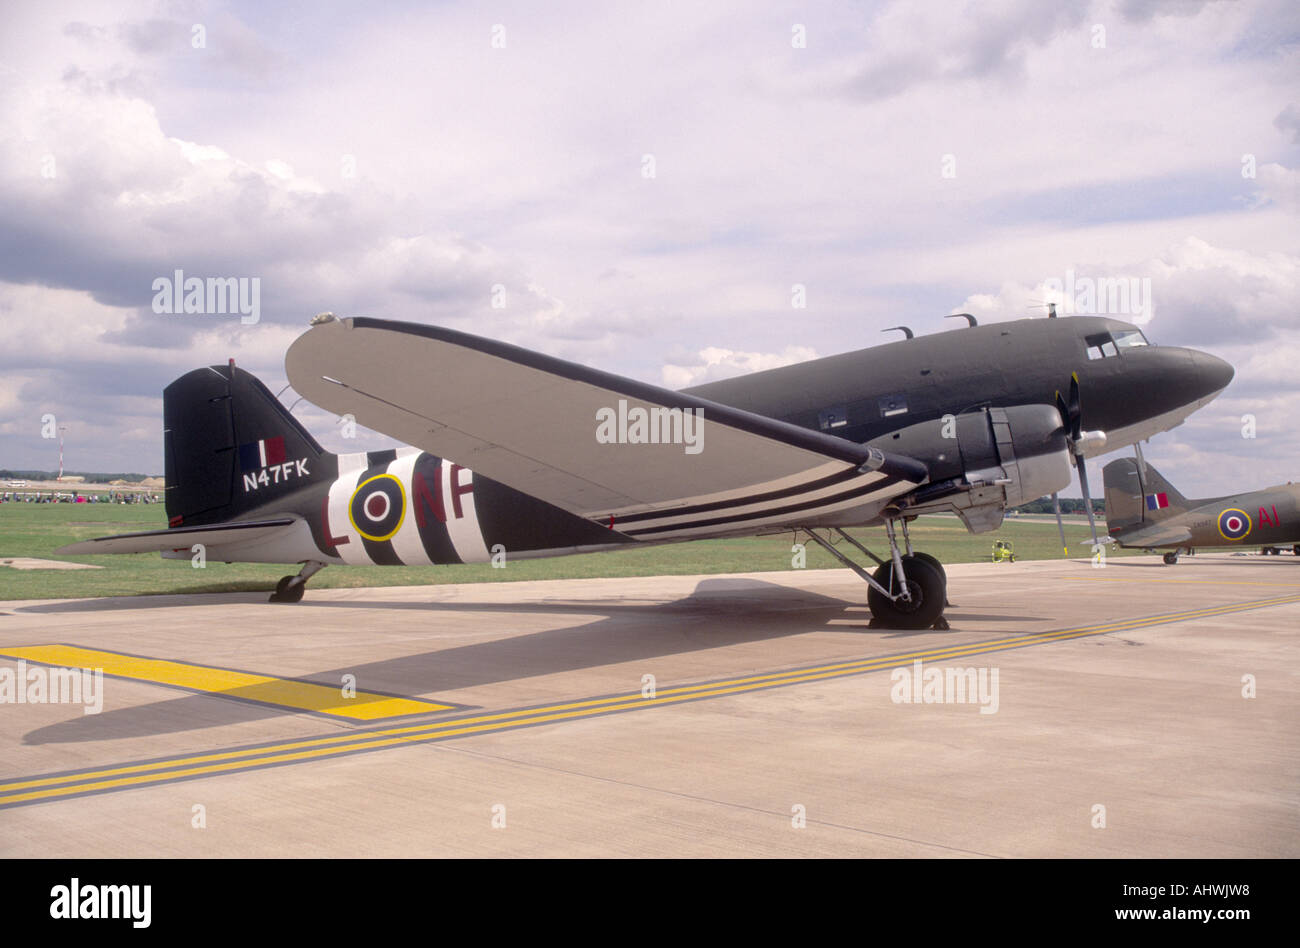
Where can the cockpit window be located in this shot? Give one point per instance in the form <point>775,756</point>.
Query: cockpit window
<point>1130,339</point>
<point>1105,345</point>
<point>1101,346</point>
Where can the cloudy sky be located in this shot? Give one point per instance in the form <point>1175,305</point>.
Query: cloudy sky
<point>643,185</point>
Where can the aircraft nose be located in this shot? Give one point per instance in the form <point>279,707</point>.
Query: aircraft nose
<point>1214,373</point>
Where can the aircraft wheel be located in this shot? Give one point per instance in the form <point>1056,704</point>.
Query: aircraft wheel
<point>286,590</point>
<point>1296,549</point>
<point>927,587</point>
<point>932,560</point>
<point>941,623</point>
<point>1171,559</point>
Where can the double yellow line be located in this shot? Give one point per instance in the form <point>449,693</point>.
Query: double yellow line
<point>55,786</point>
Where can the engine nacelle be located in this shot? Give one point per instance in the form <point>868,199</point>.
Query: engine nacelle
<point>984,461</point>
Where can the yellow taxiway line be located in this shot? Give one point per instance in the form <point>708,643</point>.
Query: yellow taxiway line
<point>328,700</point>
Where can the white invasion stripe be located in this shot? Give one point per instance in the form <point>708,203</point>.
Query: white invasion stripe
<point>794,480</point>
<point>464,531</point>
<point>858,483</point>
<point>352,462</point>
<point>406,542</point>
<point>793,519</point>
<point>405,452</point>
<point>340,525</point>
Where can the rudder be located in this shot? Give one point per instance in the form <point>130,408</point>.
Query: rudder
<point>221,427</point>
<point>1133,499</point>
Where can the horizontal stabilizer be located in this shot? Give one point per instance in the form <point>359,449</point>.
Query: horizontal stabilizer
<point>1156,536</point>
<point>159,541</point>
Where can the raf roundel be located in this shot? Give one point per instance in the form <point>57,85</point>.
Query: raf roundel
<point>377,507</point>
<point>1234,524</point>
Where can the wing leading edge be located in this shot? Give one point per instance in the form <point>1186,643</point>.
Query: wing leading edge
<point>534,422</point>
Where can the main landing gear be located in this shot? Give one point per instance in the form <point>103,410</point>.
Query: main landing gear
<point>291,588</point>
<point>908,591</point>
<point>1171,558</point>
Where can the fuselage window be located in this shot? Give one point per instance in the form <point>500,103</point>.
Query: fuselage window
<point>891,405</point>
<point>837,416</point>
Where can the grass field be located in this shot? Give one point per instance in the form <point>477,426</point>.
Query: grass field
<point>36,530</point>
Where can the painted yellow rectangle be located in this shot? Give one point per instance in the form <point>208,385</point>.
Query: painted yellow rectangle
<point>244,686</point>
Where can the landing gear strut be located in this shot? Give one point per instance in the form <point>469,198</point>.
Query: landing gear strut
<point>291,588</point>
<point>907,591</point>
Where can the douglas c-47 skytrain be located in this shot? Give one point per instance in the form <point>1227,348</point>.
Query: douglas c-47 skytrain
<point>517,452</point>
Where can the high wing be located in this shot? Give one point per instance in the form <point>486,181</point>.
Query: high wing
<point>161,541</point>
<point>530,421</point>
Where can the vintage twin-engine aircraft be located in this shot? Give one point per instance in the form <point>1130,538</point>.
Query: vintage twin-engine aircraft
<point>518,453</point>
<point>1144,510</point>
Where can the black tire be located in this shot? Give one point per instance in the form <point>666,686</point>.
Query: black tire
<point>284,592</point>
<point>932,560</point>
<point>928,589</point>
<point>1171,559</point>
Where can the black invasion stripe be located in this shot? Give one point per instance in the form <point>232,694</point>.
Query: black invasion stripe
<point>739,501</point>
<point>381,552</point>
<point>771,512</point>
<point>376,458</point>
<point>838,449</point>
<point>426,489</point>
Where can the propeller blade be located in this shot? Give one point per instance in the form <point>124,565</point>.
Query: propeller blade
<point>1082,465</point>
<point>1060,527</point>
<point>1075,409</point>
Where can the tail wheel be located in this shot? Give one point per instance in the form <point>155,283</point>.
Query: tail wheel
<point>927,587</point>
<point>286,590</point>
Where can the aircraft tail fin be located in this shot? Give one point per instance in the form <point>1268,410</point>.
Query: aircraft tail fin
<point>230,447</point>
<point>1136,497</point>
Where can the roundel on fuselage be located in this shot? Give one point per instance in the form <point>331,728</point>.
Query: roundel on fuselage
<point>1234,524</point>
<point>377,507</point>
